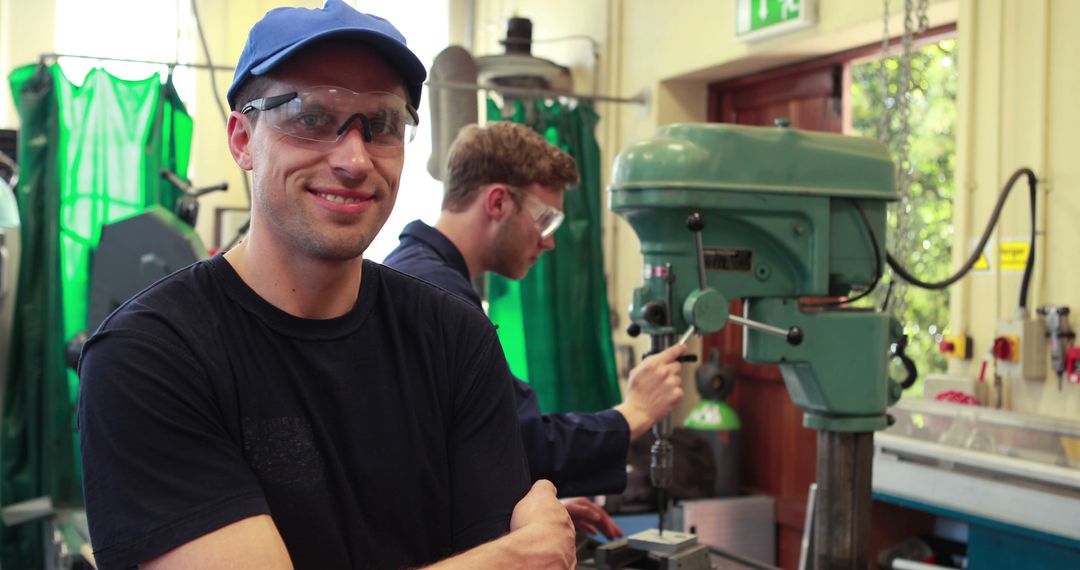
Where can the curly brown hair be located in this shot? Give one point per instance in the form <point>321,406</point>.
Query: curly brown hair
<point>503,152</point>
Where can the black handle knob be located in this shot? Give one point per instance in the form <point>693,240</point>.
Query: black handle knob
<point>911,372</point>
<point>633,329</point>
<point>695,222</point>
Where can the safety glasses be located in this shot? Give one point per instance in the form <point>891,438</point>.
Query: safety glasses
<point>547,218</point>
<point>386,122</point>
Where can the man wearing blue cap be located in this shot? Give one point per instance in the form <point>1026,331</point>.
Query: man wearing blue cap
<point>288,404</point>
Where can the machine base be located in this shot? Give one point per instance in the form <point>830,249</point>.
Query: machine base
<point>649,550</point>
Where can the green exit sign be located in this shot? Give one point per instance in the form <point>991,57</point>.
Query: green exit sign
<point>758,19</point>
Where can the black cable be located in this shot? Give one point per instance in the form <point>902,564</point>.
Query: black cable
<point>1029,267</point>
<point>888,296</point>
<point>877,264</point>
<point>213,85</point>
<point>1032,184</point>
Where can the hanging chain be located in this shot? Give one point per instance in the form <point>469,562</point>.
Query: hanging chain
<point>883,74</point>
<point>902,237</point>
<point>924,21</point>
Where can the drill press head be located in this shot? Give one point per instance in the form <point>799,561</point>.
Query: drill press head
<point>779,214</point>
<point>777,208</point>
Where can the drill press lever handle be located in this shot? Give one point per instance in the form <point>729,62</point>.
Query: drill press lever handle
<point>695,223</point>
<point>793,335</point>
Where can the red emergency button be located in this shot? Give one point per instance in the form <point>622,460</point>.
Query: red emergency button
<point>955,346</point>
<point>1007,348</point>
<point>1072,365</point>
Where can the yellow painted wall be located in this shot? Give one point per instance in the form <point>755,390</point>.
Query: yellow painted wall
<point>1018,108</point>
<point>26,32</point>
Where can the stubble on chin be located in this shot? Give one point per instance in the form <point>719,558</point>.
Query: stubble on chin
<point>334,248</point>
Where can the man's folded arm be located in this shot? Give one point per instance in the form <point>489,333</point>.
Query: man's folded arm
<point>252,543</point>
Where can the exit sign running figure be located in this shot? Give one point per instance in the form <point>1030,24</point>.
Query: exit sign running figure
<point>759,19</point>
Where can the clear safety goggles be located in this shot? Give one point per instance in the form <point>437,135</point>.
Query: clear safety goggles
<point>547,218</point>
<point>386,121</point>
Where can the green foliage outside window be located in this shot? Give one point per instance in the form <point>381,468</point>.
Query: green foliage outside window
<point>932,165</point>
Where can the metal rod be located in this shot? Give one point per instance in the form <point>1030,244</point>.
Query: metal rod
<point>686,335</point>
<point>669,296</point>
<point>758,326</point>
<point>700,246</point>
<point>167,63</point>
<point>528,91</point>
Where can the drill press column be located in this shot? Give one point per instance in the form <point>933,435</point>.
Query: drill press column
<point>842,539</point>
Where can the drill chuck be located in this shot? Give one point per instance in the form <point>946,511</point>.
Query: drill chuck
<point>660,464</point>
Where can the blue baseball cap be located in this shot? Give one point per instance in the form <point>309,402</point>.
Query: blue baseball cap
<point>284,31</point>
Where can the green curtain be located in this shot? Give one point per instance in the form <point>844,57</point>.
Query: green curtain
<point>89,155</point>
<point>554,325</point>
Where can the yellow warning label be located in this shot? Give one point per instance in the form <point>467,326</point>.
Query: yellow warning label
<point>981,264</point>
<point>1014,255</point>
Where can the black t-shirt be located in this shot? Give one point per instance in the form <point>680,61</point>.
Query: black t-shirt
<point>378,439</point>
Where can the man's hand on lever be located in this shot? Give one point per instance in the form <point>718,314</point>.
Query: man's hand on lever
<point>654,389</point>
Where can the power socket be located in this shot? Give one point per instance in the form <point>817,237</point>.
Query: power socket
<point>1026,352</point>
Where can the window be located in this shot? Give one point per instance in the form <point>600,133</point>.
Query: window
<point>844,93</point>
<point>932,169</point>
<point>149,30</point>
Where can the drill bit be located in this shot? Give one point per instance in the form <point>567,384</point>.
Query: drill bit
<point>661,510</point>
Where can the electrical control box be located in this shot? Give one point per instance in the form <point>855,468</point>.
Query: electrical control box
<point>1020,349</point>
<point>956,346</point>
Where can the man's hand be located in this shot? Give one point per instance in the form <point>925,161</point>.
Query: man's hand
<point>591,518</point>
<point>543,526</point>
<point>541,538</point>
<point>654,389</point>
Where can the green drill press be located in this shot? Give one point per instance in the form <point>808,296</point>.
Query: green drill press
<point>772,216</point>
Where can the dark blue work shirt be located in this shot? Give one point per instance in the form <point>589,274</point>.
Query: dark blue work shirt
<point>582,454</point>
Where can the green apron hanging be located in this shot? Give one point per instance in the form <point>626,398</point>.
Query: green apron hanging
<point>89,155</point>
<point>36,392</point>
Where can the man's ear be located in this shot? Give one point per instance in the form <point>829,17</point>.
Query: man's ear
<point>240,128</point>
<point>498,203</point>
